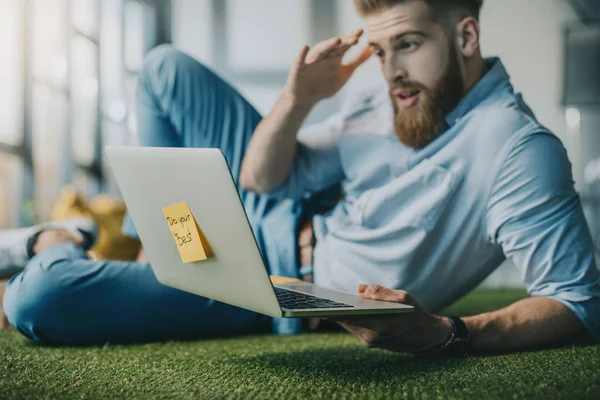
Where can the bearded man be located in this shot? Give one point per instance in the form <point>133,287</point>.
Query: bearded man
<point>445,173</point>
<point>439,187</point>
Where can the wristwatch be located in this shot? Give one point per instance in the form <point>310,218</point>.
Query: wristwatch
<point>459,339</point>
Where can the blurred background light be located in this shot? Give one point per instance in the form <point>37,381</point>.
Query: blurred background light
<point>573,117</point>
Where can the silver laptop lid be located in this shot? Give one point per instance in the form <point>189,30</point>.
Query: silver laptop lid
<point>153,178</point>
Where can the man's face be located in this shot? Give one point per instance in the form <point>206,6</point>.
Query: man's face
<point>421,66</point>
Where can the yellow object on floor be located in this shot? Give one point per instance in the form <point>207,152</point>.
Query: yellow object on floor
<point>108,214</point>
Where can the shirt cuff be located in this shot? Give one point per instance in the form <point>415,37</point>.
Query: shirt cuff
<point>587,311</point>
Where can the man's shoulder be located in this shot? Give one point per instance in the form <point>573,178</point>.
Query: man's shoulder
<point>501,126</point>
<point>506,142</point>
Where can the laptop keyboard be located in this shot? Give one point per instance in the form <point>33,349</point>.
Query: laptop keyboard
<point>299,301</point>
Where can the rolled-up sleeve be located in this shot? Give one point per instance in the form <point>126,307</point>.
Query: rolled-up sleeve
<point>535,215</point>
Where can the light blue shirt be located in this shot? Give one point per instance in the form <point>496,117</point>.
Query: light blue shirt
<point>437,221</point>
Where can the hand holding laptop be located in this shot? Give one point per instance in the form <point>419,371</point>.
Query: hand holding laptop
<point>413,332</point>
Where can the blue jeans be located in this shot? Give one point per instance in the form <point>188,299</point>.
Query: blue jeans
<point>63,297</point>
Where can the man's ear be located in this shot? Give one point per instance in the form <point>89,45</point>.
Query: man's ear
<point>467,36</point>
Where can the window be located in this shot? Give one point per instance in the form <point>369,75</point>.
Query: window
<point>84,14</point>
<point>258,51</point>
<point>84,94</point>
<point>66,92</point>
<point>10,174</point>
<point>235,38</point>
<point>49,134</point>
<point>49,41</point>
<point>111,61</point>
<point>11,95</point>
<point>134,35</point>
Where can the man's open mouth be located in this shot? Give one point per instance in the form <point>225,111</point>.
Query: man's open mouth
<point>406,98</point>
<point>407,95</point>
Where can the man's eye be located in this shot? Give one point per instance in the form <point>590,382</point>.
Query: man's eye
<point>380,53</point>
<point>407,46</point>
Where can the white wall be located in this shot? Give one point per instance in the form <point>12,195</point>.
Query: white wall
<point>525,34</point>
<point>528,36</point>
<point>191,22</point>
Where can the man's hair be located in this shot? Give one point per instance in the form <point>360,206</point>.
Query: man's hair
<point>440,8</point>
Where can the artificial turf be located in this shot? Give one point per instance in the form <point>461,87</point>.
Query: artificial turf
<point>325,366</point>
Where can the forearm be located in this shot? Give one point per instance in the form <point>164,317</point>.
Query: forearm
<point>528,324</point>
<point>271,151</point>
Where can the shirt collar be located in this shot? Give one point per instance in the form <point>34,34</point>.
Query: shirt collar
<point>491,81</point>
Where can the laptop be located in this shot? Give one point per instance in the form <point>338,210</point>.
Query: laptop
<point>152,178</point>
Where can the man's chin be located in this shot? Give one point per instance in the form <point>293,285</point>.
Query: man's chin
<point>416,133</point>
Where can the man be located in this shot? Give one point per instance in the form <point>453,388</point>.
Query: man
<point>438,189</point>
<point>462,177</point>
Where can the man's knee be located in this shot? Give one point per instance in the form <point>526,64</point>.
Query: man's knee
<point>164,61</point>
<point>32,301</point>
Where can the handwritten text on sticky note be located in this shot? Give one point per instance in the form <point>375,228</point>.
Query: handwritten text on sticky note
<point>186,233</point>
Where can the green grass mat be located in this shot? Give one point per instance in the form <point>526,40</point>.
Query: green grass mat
<point>305,366</point>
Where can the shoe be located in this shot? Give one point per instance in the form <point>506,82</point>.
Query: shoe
<point>13,243</point>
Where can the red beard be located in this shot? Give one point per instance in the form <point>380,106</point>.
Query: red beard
<point>418,126</point>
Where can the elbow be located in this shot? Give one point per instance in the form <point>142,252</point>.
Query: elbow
<point>258,181</point>
<point>247,182</point>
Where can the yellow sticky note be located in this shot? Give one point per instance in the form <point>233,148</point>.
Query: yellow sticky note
<point>190,241</point>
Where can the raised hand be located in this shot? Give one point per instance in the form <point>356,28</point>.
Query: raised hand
<point>318,72</point>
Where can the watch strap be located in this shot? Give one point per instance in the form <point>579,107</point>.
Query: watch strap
<point>460,338</point>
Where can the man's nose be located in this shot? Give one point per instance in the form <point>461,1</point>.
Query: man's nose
<point>394,72</point>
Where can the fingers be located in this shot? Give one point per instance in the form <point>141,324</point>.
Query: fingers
<point>360,58</point>
<point>358,32</point>
<point>301,58</point>
<point>330,49</point>
<point>377,292</point>
<point>347,43</point>
<point>342,49</point>
<point>369,338</point>
<point>354,36</point>
<point>335,47</point>
<point>322,50</point>
<point>300,62</point>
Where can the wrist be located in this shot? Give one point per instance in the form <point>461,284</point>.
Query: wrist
<point>444,330</point>
<point>293,101</point>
